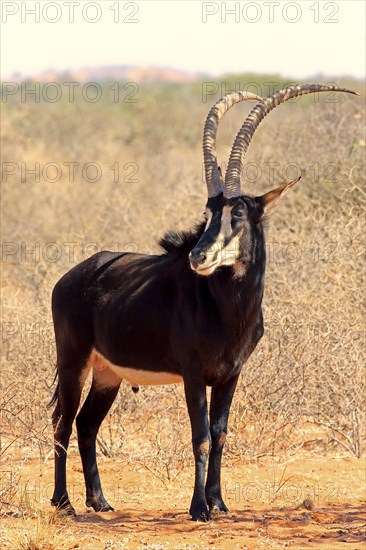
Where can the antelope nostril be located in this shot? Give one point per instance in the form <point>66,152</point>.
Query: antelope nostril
<point>196,258</point>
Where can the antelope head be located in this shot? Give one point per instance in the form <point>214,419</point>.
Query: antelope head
<point>233,219</point>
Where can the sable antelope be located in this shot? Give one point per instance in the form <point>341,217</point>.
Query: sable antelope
<point>192,314</point>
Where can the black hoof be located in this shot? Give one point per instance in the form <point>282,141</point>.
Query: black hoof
<point>99,504</point>
<point>217,505</point>
<point>200,513</point>
<point>63,507</point>
<point>215,509</point>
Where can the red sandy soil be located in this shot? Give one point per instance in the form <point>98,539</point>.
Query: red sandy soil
<point>304,503</point>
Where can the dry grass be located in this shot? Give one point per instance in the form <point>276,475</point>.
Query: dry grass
<point>43,533</point>
<point>303,387</point>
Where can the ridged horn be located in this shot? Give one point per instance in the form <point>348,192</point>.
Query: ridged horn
<point>212,173</point>
<point>257,114</point>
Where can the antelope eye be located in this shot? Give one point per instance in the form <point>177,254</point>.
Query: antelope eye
<point>238,213</point>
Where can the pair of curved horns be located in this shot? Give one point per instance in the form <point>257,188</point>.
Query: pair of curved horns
<point>231,187</point>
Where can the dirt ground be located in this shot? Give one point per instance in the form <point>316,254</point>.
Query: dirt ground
<point>303,503</point>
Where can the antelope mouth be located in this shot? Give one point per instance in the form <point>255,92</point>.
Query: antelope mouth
<point>206,269</point>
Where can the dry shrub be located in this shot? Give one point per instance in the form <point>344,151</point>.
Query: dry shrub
<point>304,385</point>
<point>150,430</point>
<point>44,533</point>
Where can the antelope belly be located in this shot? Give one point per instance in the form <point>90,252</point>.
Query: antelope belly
<point>136,377</point>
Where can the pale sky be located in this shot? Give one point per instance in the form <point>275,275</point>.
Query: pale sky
<point>296,39</point>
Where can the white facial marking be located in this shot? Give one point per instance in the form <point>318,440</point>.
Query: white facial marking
<point>107,374</point>
<point>208,217</point>
<point>218,254</point>
<point>225,230</point>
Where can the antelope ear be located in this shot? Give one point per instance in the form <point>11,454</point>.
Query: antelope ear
<point>267,201</point>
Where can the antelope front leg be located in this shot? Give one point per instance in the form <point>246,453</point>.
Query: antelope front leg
<point>221,398</point>
<point>195,391</point>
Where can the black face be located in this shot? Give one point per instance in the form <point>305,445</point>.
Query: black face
<point>229,229</point>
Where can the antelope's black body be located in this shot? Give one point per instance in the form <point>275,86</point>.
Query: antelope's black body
<point>192,314</point>
<point>154,313</point>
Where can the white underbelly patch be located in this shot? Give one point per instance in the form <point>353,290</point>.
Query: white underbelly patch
<point>136,377</point>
